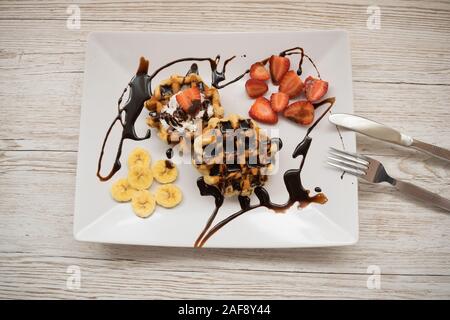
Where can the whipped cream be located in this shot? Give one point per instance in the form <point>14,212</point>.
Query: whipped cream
<point>189,124</point>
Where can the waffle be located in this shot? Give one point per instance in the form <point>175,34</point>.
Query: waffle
<point>234,155</point>
<point>172,122</point>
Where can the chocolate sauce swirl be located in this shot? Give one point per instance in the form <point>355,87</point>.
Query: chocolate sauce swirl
<point>140,91</point>
<point>301,52</point>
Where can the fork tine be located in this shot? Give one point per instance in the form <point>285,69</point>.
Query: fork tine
<point>356,155</point>
<point>350,156</point>
<point>354,172</point>
<point>351,164</point>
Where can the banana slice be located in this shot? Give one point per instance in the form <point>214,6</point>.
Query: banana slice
<point>164,171</point>
<point>143,203</point>
<point>168,195</point>
<point>122,191</point>
<point>139,156</point>
<point>140,177</point>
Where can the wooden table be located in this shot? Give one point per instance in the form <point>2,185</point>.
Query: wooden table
<point>401,77</point>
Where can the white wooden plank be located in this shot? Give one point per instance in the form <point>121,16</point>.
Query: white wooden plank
<point>45,277</point>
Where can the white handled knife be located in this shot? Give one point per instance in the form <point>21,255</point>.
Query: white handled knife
<point>379,131</point>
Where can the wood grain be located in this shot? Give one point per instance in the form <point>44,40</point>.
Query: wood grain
<point>103,279</point>
<point>400,76</point>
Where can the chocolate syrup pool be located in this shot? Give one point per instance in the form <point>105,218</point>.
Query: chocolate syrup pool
<point>140,91</point>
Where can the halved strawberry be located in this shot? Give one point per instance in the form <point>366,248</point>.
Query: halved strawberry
<point>291,84</point>
<point>278,67</point>
<point>279,101</point>
<point>255,88</point>
<point>262,112</point>
<point>301,112</point>
<point>184,101</point>
<point>193,93</point>
<point>259,72</point>
<point>315,89</point>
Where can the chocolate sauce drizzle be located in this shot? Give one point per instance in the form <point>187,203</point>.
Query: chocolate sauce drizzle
<point>169,153</point>
<point>301,52</point>
<point>292,181</point>
<point>140,91</point>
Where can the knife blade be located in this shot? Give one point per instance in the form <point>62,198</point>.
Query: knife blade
<point>380,131</point>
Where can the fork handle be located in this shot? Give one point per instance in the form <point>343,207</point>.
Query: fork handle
<point>422,194</point>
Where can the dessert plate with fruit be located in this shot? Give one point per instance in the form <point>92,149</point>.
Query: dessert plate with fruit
<point>221,143</point>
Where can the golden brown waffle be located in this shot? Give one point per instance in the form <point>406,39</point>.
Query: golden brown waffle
<point>234,155</point>
<point>170,124</point>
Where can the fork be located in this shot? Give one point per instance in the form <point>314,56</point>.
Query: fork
<point>373,171</point>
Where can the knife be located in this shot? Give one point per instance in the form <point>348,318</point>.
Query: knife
<point>380,131</point>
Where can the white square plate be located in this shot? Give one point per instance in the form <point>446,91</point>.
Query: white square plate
<point>112,60</point>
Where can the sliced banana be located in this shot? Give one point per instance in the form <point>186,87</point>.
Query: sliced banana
<point>143,203</point>
<point>140,177</point>
<point>122,191</point>
<point>139,156</point>
<point>168,195</point>
<point>164,171</point>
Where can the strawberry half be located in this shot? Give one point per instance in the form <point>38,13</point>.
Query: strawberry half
<point>301,112</point>
<point>187,97</point>
<point>262,112</point>
<point>184,101</point>
<point>278,67</point>
<point>255,88</point>
<point>315,89</point>
<point>279,101</point>
<point>193,93</point>
<point>291,84</point>
<point>259,72</point>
